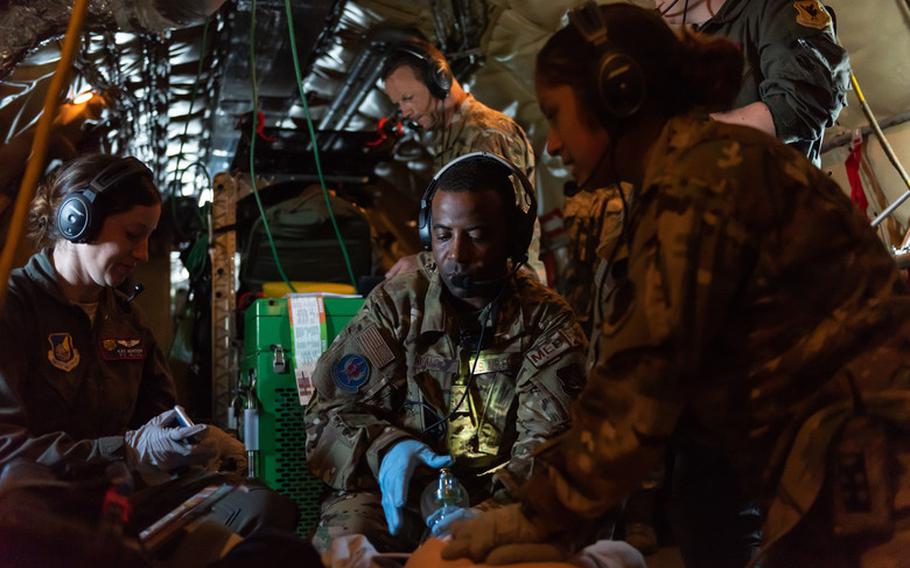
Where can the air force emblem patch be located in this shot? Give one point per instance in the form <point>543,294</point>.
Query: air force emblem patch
<point>351,372</point>
<point>63,354</point>
<point>812,14</point>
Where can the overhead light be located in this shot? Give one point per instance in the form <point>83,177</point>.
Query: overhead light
<point>83,97</point>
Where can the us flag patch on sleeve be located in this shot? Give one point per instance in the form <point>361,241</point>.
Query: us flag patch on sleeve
<point>375,347</point>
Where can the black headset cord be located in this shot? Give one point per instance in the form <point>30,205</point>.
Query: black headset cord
<point>488,316</point>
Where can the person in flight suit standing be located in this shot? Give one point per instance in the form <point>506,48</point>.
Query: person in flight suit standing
<point>795,77</point>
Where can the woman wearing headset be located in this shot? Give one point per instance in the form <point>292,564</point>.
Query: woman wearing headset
<point>760,315</point>
<point>81,376</point>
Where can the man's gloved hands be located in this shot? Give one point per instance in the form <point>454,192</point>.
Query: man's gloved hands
<point>395,473</point>
<point>163,444</point>
<point>441,521</point>
<point>229,453</point>
<point>501,536</point>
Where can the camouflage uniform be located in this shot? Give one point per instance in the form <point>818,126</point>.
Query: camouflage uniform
<point>793,64</point>
<point>756,295</point>
<point>474,127</point>
<point>399,369</point>
<point>593,224</point>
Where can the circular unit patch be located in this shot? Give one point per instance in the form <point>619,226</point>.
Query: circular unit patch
<point>351,372</point>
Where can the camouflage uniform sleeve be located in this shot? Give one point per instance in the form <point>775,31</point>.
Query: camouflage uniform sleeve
<point>513,146</point>
<point>347,420</point>
<point>806,73</point>
<point>687,262</point>
<point>551,376</point>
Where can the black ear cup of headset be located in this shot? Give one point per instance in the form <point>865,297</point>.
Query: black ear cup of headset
<point>78,216</point>
<point>618,77</point>
<point>524,194</point>
<point>436,74</point>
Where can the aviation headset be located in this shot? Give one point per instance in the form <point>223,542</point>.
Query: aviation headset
<point>435,72</point>
<point>617,76</point>
<point>525,204</point>
<point>78,217</point>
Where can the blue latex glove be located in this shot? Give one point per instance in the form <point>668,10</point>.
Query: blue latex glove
<point>395,473</point>
<point>441,521</point>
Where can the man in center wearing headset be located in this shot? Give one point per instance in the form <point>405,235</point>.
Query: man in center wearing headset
<point>400,392</point>
<point>419,81</point>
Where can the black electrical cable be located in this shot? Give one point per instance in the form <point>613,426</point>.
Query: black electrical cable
<point>470,382</point>
<point>488,316</point>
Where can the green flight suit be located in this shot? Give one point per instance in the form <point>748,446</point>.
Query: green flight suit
<point>756,295</point>
<point>793,64</point>
<point>70,387</point>
<point>399,370</point>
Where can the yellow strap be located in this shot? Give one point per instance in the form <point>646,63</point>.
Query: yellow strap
<point>39,145</point>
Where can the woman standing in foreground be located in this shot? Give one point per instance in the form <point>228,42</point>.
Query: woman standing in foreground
<point>761,317</point>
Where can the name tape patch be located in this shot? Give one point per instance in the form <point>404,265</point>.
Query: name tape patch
<point>557,344</point>
<point>122,349</point>
<point>439,364</point>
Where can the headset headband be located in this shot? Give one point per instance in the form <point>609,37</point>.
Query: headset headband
<point>78,216</point>
<point>617,76</point>
<point>525,202</point>
<point>435,73</point>
<point>116,172</point>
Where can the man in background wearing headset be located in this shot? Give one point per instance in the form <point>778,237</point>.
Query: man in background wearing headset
<point>419,81</point>
<point>401,387</point>
<point>796,75</point>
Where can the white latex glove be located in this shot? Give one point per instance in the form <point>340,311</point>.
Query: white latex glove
<point>163,444</point>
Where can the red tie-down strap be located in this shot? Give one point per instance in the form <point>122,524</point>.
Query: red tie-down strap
<point>116,501</point>
<point>852,164</point>
<point>260,128</point>
<point>384,128</point>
